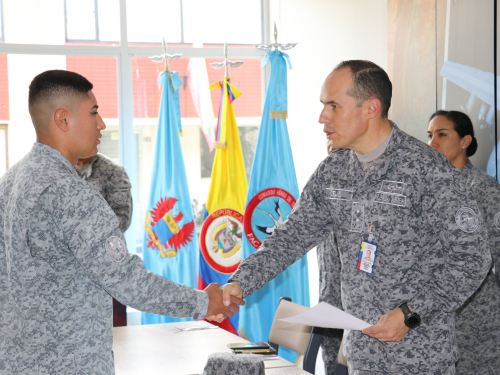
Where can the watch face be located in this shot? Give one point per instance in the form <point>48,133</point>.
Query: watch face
<point>413,321</point>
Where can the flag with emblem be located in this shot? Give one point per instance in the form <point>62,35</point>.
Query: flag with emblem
<point>272,192</point>
<point>222,230</point>
<point>170,248</point>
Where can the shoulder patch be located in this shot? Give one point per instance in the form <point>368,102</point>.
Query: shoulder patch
<point>467,220</point>
<point>116,248</point>
<point>497,220</point>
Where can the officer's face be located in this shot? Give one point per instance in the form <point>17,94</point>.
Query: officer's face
<point>342,118</point>
<point>444,138</point>
<point>86,126</point>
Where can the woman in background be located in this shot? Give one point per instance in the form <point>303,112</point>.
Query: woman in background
<point>478,320</point>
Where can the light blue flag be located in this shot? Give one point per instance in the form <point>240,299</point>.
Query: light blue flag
<point>272,192</point>
<point>170,246</point>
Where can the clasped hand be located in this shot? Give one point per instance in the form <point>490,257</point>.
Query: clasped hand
<point>223,301</point>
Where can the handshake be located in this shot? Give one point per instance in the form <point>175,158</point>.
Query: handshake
<point>223,301</point>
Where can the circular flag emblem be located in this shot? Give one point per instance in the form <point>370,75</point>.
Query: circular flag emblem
<point>497,220</point>
<point>221,239</point>
<point>266,211</point>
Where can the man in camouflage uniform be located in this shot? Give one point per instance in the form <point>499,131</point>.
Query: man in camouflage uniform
<point>112,181</point>
<point>383,189</point>
<point>329,291</point>
<point>62,253</point>
<point>329,267</point>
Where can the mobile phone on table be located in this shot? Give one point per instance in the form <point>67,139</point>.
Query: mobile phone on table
<point>269,351</point>
<point>248,345</point>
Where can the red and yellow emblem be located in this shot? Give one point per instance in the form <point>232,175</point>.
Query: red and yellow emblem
<point>221,240</point>
<point>165,232</point>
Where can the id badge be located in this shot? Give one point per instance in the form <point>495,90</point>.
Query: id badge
<point>366,258</point>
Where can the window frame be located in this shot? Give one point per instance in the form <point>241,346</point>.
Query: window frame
<point>263,19</point>
<point>124,54</point>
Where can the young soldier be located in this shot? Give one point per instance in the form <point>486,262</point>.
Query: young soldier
<point>62,254</point>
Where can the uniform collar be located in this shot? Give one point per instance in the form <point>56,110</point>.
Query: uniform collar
<point>43,149</point>
<point>355,171</point>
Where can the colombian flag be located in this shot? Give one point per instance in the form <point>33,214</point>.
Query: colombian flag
<point>221,234</point>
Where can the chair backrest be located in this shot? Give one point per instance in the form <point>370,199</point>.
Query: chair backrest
<point>291,336</point>
<point>340,358</point>
<point>304,340</point>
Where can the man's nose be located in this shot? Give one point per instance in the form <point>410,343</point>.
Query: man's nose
<point>322,117</point>
<point>100,123</point>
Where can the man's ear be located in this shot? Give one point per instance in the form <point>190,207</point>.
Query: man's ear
<point>61,118</point>
<point>372,107</point>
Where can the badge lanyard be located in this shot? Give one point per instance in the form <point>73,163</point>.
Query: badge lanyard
<point>367,252</point>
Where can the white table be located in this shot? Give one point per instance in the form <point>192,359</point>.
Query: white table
<point>163,349</point>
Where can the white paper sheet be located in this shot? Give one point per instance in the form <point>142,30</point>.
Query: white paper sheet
<point>327,316</point>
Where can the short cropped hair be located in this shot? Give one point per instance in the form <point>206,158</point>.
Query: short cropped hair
<point>462,125</point>
<point>55,83</point>
<point>369,81</point>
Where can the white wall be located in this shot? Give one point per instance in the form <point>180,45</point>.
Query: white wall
<point>327,32</point>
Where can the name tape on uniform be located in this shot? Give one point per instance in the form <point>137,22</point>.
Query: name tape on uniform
<point>340,194</point>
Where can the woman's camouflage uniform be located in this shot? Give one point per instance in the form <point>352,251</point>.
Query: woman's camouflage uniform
<point>478,320</point>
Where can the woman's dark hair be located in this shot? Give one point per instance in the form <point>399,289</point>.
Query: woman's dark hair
<point>462,125</point>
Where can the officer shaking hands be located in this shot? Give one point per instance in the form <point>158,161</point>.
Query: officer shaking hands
<point>62,253</point>
<point>388,195</point>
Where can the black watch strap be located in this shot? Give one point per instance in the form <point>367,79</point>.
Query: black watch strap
<point>412,320</point>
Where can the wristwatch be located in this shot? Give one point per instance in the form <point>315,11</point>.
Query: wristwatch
<point>412,319</point>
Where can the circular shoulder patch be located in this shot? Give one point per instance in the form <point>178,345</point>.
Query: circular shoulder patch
<point>116,248</point>
<point>497,220</point>
<point>467,220</point>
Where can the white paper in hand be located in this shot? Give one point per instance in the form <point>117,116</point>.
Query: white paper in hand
<point>327,316</point>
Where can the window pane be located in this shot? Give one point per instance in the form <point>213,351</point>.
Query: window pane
<point>219,21</point>
<point>150,20</point>
<point>34,21</point>
<point>109,20</point>
<point>101,71</point>
<point>80,20</point>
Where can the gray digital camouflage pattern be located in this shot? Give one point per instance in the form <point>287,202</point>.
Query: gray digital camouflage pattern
<point>329,291</point>
<point>112,181</point>
<point>478,320</point>
<point>432,249</point>
<point>234,364</point>
<point>62,256</point>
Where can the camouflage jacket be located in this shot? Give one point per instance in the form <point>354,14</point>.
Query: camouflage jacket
<point>112,181</point>
<point>478,319</point>
<point>62,257</point>
<point>329,267</point>
<point>432,248</point>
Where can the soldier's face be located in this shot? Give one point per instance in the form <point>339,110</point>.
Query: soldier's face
<point>444,138</point>
<point>86,126</point>
<point>341,116</point>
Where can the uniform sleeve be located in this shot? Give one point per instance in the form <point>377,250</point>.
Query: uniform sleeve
<point>91,231</point>
<point>451,210</point>
<point>120,199</point>
<point>308,224</point>
<point>492,220</point>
